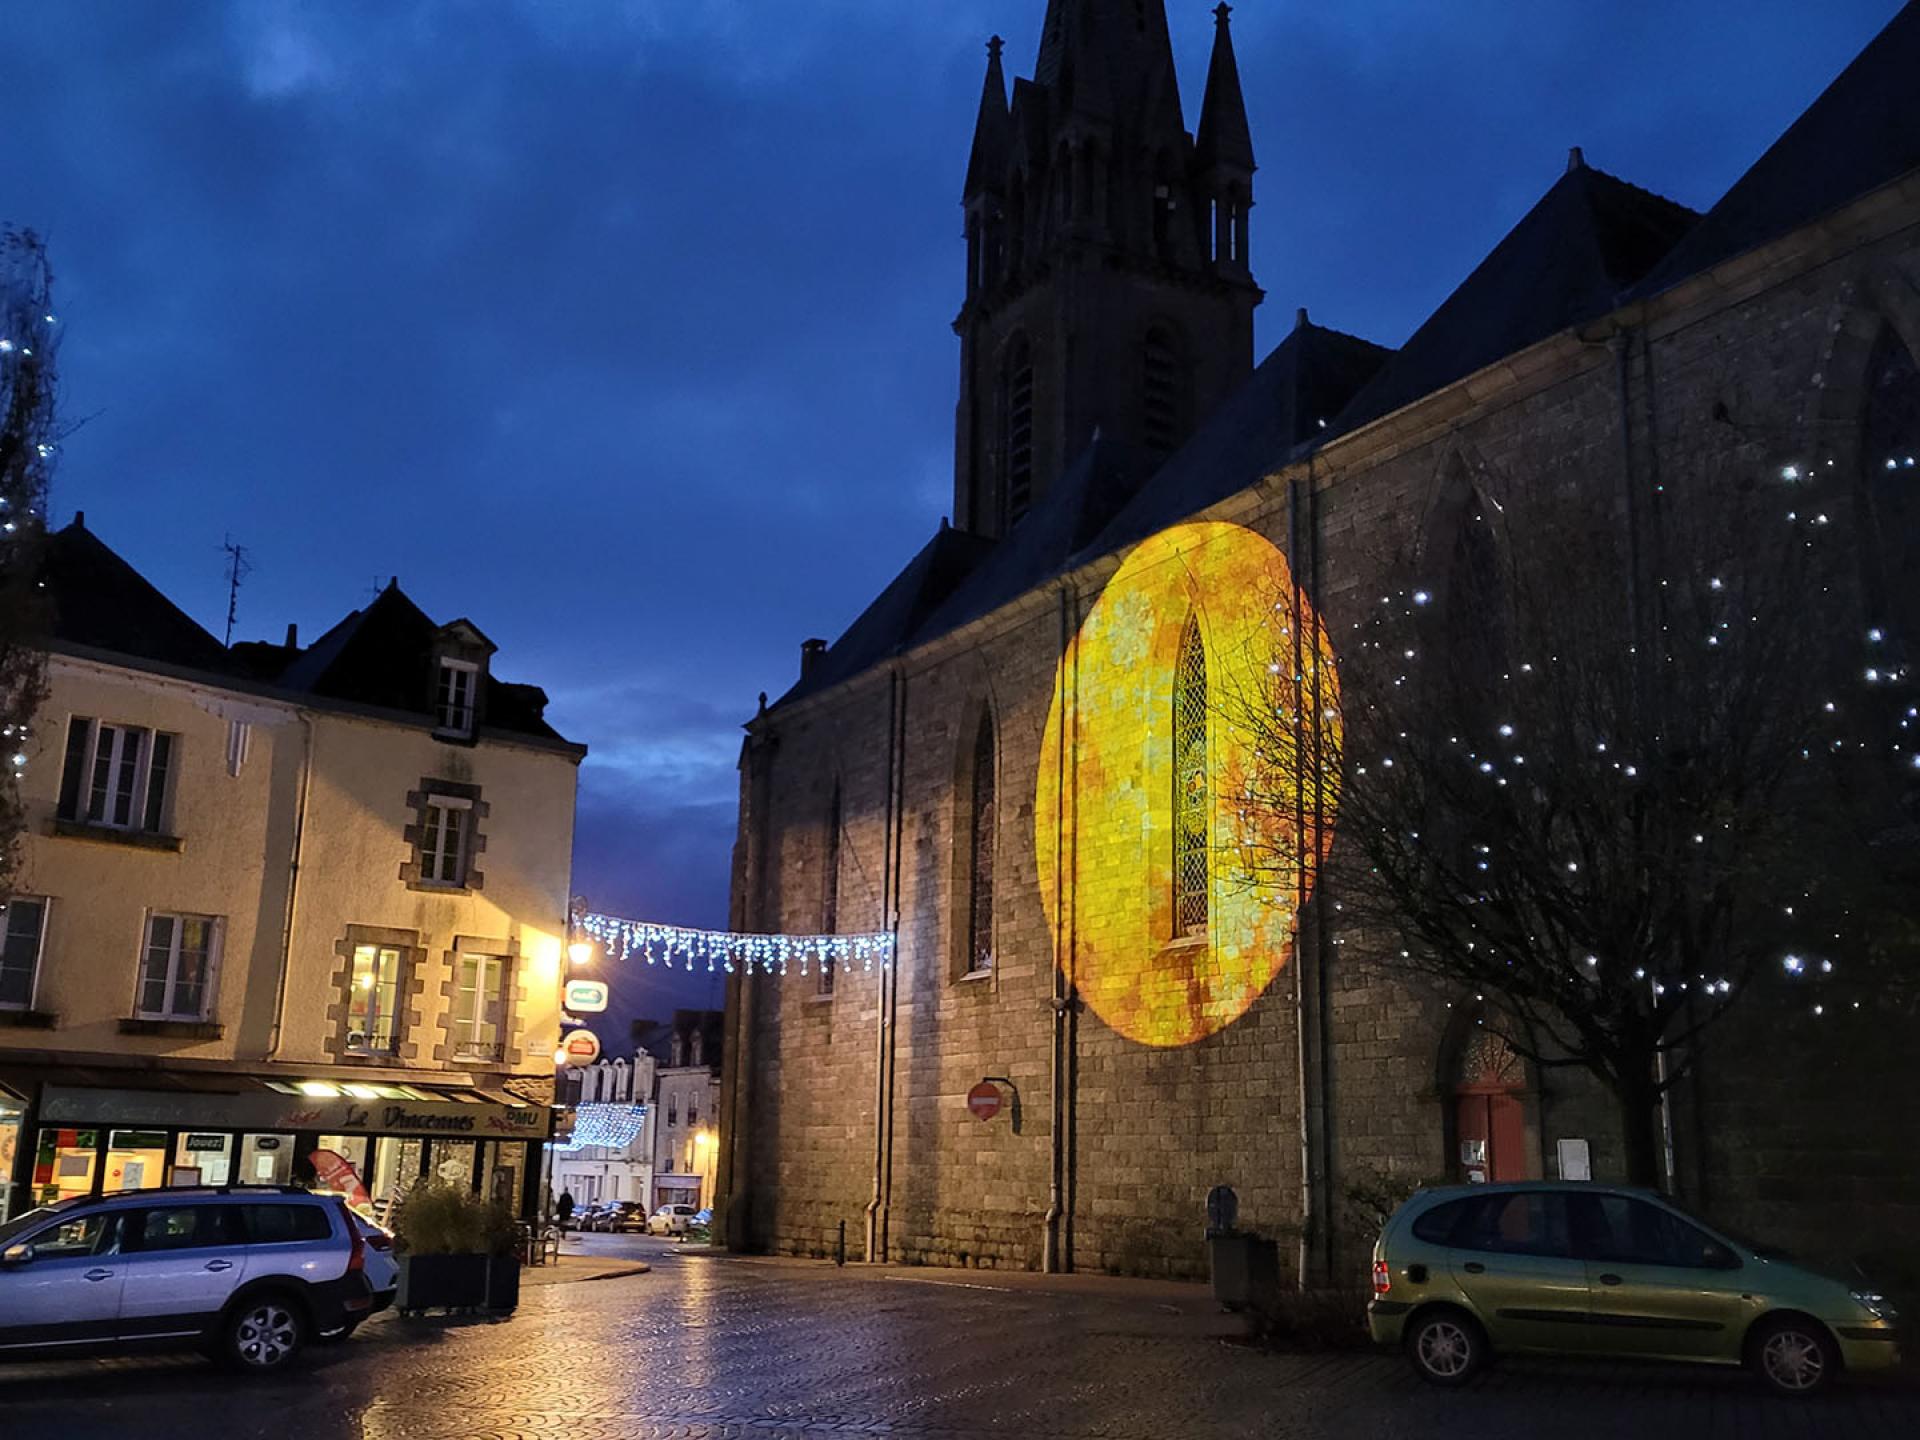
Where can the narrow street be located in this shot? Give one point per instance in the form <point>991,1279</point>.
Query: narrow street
<point>708,1346</point>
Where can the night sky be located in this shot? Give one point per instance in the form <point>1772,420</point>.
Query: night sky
<point>623,326</point>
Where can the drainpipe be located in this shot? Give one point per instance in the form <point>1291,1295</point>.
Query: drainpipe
<point>293,889</point>
<point>893,980</point>
<point>1323,949</point>
<point>881,1120</point>
<point>1050,1259</point>
<point>1294,503</point>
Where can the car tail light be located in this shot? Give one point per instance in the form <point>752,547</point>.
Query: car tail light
<point>1382,1279</point>
<point>358,1259</point>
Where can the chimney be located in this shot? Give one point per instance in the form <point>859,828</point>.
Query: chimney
<point>293,637</point>
<point>1576,159</point>
<point>79,519</point>
<point>812,652</point>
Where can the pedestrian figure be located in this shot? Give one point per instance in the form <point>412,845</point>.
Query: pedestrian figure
<point>563,1210</point>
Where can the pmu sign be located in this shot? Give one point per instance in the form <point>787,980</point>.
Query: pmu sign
<point>589,997</point>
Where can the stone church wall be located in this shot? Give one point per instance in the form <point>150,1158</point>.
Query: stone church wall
<point>1763,1143</point>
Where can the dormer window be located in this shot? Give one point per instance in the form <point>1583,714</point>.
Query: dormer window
<point>453,702</point>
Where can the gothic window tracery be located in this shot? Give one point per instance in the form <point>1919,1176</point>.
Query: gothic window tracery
<point>1192,787</point>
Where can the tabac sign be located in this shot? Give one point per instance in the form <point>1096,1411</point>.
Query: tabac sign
<point>332,1115</point>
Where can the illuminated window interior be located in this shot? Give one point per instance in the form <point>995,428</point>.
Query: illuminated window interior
<point>1192,794</point>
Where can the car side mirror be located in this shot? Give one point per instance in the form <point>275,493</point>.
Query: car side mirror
<point>16,1254</point>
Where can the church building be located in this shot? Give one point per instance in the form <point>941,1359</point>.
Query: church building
<point>1007,760</point>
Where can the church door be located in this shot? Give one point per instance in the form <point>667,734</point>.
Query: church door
<point>1489,1117</point>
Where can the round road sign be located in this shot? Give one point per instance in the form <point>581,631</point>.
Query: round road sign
<point>984,1100</point>
<point>582,1047</point>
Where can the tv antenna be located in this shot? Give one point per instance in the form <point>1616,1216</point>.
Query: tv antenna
<point>237,570</point>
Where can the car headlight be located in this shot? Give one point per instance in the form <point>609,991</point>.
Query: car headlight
<point>1874,1305</point>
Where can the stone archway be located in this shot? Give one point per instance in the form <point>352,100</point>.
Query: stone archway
<point>1489,1103</point>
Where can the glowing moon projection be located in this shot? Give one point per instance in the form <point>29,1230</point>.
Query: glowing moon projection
<point>1165,952</point>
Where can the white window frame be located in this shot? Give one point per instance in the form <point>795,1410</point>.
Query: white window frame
<point>379,989</point>
<point>432,860</point>
<point>216,934</point>
<point>453,712</point>
<point>136,821</point>
<point>39,949</point>
<point>463,1031</point>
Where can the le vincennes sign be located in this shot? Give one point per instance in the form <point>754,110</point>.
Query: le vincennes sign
<point>269,1111</point>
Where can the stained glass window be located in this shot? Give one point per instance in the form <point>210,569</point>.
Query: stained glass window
<point>1192,792</point>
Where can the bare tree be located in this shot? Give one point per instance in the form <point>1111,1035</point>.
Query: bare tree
<point>1586,754</point>
<point>28,440</point>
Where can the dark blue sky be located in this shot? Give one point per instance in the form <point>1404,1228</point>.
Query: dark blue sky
<point>622,326</point>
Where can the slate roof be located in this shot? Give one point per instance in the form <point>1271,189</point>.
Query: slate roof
<point>1307,379</point>
<point>1862,133</point>
<point>380,657</point>
<point>885,627</point>
<point>1569,260</point>
<point>100,602</point>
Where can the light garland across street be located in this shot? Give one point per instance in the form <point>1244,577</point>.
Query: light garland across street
<point>676,947</point>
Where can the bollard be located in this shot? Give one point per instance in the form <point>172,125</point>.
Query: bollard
<point>840,1253</point>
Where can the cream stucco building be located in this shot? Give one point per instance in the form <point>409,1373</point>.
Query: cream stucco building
<point>280,907</point>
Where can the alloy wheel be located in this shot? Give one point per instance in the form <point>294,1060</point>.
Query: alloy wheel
<point>1794,1360</point>
<point>266,1335</point>
<point>1445,1349</point>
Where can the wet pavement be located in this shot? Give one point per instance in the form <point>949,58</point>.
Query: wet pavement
<point>708,1346</point>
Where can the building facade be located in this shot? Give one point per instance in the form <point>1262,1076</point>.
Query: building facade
<point>609,1154</point>
<point>1005,760</point>
<point>284,913</point>
<point>688,1052</point>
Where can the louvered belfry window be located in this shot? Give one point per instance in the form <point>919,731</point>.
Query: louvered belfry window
<point>1162,413</point>
<point>1192,792</point>
<point>980,908</point>
<point>1017,437</point>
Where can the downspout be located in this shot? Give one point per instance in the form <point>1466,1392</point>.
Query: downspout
<point>1050,1231</point>
<point>1323,949</point>
<point>1294,502</point>
<point>293,889</point>
<point>899,792</point>
<point>874,1250</point>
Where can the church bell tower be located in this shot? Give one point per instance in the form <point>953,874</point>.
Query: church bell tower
<point>1108,287</point>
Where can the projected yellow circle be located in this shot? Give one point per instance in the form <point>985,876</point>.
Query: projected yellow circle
<point>1105,802</point>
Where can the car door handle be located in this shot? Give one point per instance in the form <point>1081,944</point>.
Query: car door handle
<point>218,1265</point>
<point>1609,1279</point>
<point>1474,1267</point>
<point>97,1274</point>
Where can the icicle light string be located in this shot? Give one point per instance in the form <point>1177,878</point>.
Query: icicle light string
<point>676,947</point>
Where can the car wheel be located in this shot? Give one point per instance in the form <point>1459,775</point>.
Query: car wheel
<point>1794,1357</point>
<point>1446,1346</point>
<point>264,1333</point>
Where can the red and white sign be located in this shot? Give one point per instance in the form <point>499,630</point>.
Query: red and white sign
<point>582,1047</point>
<point>984,1100</point>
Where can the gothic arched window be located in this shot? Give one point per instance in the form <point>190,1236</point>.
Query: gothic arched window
<point>980,818</point>
<point>1192,787</point>
<point>1163,409</point>
<point>830,889</point>
<point>1016,432</point>
<point>1891,446</point>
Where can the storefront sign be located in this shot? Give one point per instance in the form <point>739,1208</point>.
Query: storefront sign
<point>195,1144</point>
<point>589,997</point>
<point>582,1047</point>
<point>269,1111</point>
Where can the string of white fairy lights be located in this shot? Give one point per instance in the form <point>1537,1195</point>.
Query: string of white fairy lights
<point>676,947</point>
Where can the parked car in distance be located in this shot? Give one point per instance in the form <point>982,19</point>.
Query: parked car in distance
<point>382,1266</point>
<point>601,1220</point>
<point>671,1220</point>
<point>629,1218</point>
<point>249,1275</point>
<point>1467,1272</point>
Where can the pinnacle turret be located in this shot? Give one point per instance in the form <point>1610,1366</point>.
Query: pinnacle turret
<point>993,132</point>
<point>1224,140</point>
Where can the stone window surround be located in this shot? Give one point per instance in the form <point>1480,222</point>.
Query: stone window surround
<point>414,834</point>
<point>508,951</point>
<point>412,986</point>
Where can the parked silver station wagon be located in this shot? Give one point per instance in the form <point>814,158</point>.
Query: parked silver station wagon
<point>247,1275</point>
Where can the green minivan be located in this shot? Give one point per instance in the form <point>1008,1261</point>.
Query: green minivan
<point>1470,1271</point>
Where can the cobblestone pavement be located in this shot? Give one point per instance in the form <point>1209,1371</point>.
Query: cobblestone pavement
<point>707,1347</point>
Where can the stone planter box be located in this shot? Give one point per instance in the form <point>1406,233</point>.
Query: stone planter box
<point>442,1282</point>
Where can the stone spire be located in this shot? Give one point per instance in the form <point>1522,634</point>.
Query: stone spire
<point>1224,140</point>
<point>992,133</point>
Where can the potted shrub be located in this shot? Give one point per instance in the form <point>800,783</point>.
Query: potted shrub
<point>442,1235</point>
